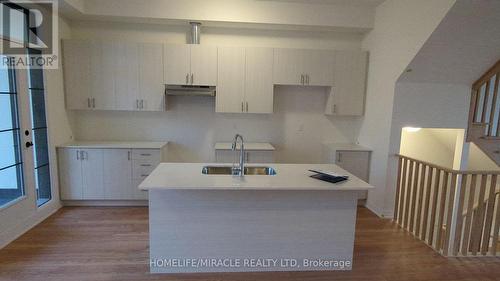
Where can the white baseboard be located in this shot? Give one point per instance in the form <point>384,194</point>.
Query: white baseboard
<point>104,203</point>
<point>37,217</point>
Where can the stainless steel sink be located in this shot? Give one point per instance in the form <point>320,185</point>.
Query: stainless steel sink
<point>227,170</point>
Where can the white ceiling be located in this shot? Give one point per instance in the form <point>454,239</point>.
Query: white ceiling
<point>464,45</point>
<point>370,3</point>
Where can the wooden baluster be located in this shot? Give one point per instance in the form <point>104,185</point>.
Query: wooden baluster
<point>434,206</point>
<point>427,201</point>
<point>468,217</point>
<point>489,215</point>
<point>485,101</point>
<point>449,213</point>
<point>415,185</point>
<point>477,226</point>
<point>496,227</point>
<point>398,188</point>
<point>420,200</point>
<point>442,210</point>
<point>460,216</point>
<point>403,192</point>
<point>408,195</point>
<point>493,107</point>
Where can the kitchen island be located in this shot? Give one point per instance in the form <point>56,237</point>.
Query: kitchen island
<point>222,223</point>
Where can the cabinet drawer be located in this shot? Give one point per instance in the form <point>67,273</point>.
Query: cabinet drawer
<point>142,168</point>
<point>153,155</point>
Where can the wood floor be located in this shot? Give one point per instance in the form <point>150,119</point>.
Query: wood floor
<point>86,243</point>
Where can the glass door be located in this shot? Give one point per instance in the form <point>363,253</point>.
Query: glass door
<point>11,164</point>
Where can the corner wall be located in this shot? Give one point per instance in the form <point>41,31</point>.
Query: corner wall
<point>401,28</point>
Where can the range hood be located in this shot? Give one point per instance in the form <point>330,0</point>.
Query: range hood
<point>189,90</point>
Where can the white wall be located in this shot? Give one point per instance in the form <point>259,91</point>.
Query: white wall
<point>401,27</point>
<point>297,128</point>
<point>478,160</point>
<point>430,145</point>
<point>20,217</point>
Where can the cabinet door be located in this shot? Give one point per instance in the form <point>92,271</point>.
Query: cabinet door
<point>76,64</point>
<point>355,162</point>
<point>203,65</point>
<point>102,75</point>
<point>177,64</point>
<point>348,91</point>
<point>126,75</point>
<point>319,66</point>
<point>259,90</point>
<point>230,80</point>
<point>288,66</point>
<point>92,174</point>
<point>70,174</point>
<point>151,87</point>
<point>117,174</point>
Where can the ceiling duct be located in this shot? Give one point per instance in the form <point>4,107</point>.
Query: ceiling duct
<point>195,32</point>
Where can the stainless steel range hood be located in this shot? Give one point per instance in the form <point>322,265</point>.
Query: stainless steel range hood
<point>189,90</point>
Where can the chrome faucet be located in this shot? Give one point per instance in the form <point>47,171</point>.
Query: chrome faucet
<point>240,171</point>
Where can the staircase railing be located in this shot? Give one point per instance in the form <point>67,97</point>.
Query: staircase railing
<point>484,114</point>
<point>457,213</point>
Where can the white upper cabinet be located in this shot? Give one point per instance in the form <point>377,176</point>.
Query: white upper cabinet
<point>259,88</point>
<point>288,67</point>
<point>151,84</point>
<point>347,96</point>
<point>76,62</point>
<point>177,64</point>
<point>126,76</point>
<point>113,75</point>
<point>231,80</point>
<point>244,80</point>
<point>190,65</point>
<point>303,67</point>
<point>203,65</point>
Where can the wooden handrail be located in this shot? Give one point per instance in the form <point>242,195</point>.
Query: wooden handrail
<point>453,171</point>
<point>431,199</point>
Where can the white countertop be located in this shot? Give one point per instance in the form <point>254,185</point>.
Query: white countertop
<point>346,147</point>
<point>262,146</point>
<point>288,177</point>
<point>115,144</point>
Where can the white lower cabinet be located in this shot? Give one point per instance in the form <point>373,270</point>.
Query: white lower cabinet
<point>105,174</point>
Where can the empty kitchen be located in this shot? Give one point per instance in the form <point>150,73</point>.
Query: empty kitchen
<point>249,140</point>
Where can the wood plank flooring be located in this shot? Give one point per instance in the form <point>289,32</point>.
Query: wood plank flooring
<point>111,243</point>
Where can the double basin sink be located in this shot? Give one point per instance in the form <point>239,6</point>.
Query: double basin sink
<point>228,170</point>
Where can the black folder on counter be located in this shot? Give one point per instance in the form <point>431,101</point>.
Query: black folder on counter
<point>329,177</point>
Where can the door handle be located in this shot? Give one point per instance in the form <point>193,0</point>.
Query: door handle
<point>192,78</point>
<point>29,144</point>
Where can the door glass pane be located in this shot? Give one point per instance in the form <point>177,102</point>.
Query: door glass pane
<point>39,129</point>
<point>11,167</point>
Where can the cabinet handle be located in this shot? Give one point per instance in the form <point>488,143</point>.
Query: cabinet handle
<point>144,175</point>
<point>86,155</point>
<point>145,154</point>
<point>307,79</point>
<point>247,106</point>
<point>142,104</point>
<point>128,155</point>
<point>340,158</point>
<point>77,155</point>
<point>93,102</point>
<point>145,165</point>
<point>136,104</point>
<point>192,78</point>
<point>88,102</point>
<point>302,79</point>
<point>187,78</point>
<point>334,108</point>
<point>242,107</point>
